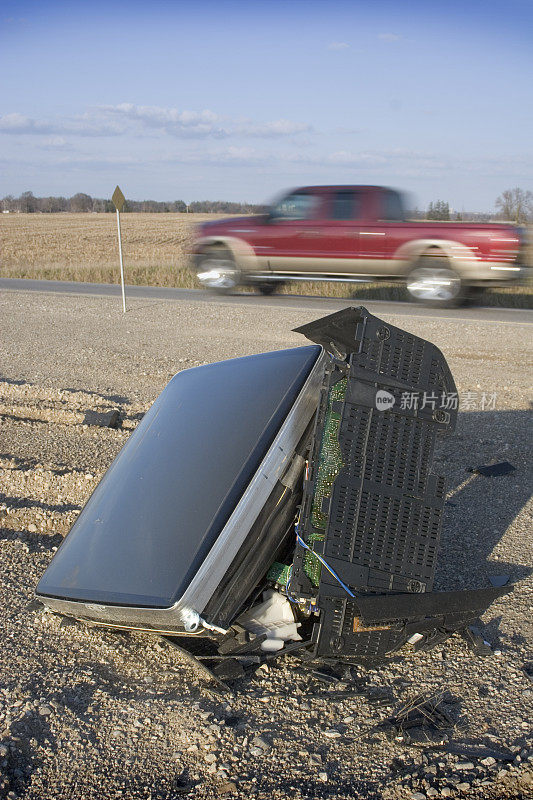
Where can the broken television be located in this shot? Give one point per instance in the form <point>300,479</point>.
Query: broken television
<point>278,503</point>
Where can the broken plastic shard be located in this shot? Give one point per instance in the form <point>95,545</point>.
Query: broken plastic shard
<point>494,470</point>
<point>425,737</point>
<point>474,639</point>
<point>273,617</point>
<point>499,580</point>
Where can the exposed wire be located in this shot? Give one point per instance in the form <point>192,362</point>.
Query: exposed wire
<point>309,608</point>
<point>323,562</point>
<point>287,590</point>
<point>281,497</point>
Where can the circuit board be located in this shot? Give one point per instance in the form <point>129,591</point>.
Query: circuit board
<point>330,460</point>
<point>330,463</point>
<point>279,573</point>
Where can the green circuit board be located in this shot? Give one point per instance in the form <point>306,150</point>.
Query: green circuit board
<point>312,567</point>
<point>330,463</point>
<point>279,573</point>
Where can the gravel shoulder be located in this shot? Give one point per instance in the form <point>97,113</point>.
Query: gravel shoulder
<point>87,713</point>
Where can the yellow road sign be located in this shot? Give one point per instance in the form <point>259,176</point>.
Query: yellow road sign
<point>118,199</point>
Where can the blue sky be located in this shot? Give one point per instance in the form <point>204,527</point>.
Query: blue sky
<point>239,100</point>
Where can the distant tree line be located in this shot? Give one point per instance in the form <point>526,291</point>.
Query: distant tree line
<point>448,214</point>
<point>27,203</point>
<point>438,210</point>
<point>224,207</point>
<point>513,205</point>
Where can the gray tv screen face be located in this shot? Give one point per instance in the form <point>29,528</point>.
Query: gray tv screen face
<point>162,504</point>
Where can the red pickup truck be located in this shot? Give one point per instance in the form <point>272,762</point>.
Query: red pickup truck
<point>356,233</point>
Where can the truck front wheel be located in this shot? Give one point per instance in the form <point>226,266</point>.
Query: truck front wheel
<point>217,271</point>
<point>435,284</point>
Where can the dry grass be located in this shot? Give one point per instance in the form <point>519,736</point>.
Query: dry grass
<point>83,247</point>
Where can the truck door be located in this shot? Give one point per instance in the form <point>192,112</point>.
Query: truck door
<point>382,233</point>
<point>293,239</point>
<point>344,215</point>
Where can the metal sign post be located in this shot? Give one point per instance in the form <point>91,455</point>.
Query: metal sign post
<point>119,200</point>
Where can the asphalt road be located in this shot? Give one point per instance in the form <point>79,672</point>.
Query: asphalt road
<point>321,304</point>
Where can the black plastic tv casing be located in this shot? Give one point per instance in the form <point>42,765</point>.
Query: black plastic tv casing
<point>156,538</point>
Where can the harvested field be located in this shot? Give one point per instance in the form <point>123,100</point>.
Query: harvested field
<point>83,247</point>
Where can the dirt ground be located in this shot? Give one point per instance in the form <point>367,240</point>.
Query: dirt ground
<point>87,713</point>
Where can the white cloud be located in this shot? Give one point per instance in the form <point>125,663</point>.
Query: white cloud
<point>389,37</point>
<point>338,46</point>
<point>137,120</point>
<point>79,126</point>
<point>290,164</point>
<point>170,120</point>
<point>202,124</point>
<point>279,127</point>
<point>18,123</point>
<point>393,162</point>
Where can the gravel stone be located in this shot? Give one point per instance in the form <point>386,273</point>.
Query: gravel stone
<point>261,742</point>
<point>227,788</point>
<point>502,773</point>
<point>332,734</point>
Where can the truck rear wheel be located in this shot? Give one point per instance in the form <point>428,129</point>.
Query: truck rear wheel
<point>434,283</point>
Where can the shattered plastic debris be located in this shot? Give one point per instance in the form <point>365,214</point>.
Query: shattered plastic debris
<point>493,470</point>
<point>474,639</point>
<point>274,618</point>
<point>499,580</point>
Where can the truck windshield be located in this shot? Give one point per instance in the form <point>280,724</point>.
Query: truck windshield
<point>295,206</point>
